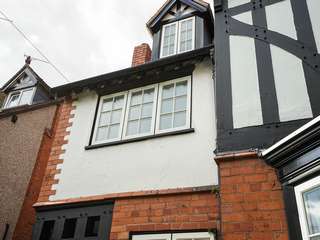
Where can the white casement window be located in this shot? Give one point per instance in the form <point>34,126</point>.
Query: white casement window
<point>308,203</point>
<point>144,111</point>
<point>176,236</point>
<point>110,118</point>
<point>19,98</point>
<point>140,114</point>
<point>174,105</point>
<point>178,37</point>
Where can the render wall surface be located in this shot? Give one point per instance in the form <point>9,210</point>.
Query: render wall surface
<point>160,163</point>
<point>19,146</point>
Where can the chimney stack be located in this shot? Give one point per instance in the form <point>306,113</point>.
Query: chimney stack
<point>141,54</point>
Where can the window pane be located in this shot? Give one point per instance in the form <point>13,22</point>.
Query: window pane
<point>92,227</point>
<point>13,101</point>
<point>118,102</point>
<point>107,105</point>
<point>180,103</point>
<point>115,116</point>
<point>69,228</point>
<point>181,88</point>
<point>146,110</point>
<point>145,125</point>
<point>165,121</point>
<point>167,91</point>
<point>26,97</point>
<point>148,95</point>
<point>136,98</point>
<point>132,128</point>
<point>134,112</point>
<point>113,131</point>
<point>167,106</point>
<point>102,133</point>
<point>104,119</point>
<point>169,37</point>
<point>179,119</point>
<point>47,230</point>
<point>312,205</point>
<point>186,35</point>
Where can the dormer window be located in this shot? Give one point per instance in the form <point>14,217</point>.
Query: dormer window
<point>19,98</point>
<point>178,37</point>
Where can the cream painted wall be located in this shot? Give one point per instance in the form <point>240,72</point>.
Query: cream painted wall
<point>161,163</point>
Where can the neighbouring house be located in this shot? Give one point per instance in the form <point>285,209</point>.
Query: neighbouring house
<point>132,154</point>
<point>26,120</point>
<point>267,85</point>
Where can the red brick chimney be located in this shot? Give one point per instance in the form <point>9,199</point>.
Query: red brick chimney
<point>141,54</point>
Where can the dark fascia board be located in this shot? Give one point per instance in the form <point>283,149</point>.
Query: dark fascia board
<point>198,5</point>
<point>217,5</point>
<point>8,83</point>
<point>40,80</point>
<point>125,74</point>
<point>294,145</point>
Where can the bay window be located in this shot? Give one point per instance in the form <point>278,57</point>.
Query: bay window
<point>144,111</point>
<point>308,203</point>
<point>178,37</point>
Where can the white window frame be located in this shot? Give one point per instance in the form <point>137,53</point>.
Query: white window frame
<point>94,141</point>
<point>175,40</point>
<point>188,111</point>
<point>174,236</point>
<point>299,190</point>
<point>193,33</point>
<point>20,95</point>
<point>155,96</point>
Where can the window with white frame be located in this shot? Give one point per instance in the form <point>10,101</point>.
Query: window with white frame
<point>144,111</point>
<point>19,98</point>
<point>308,203</point>
<point>176,236</point>
<point>178,37</point>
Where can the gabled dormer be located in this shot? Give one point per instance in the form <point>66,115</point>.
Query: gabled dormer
<point>181,26</point>
<point>25,88</point>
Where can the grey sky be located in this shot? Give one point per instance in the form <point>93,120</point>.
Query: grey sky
<point>83,38</point>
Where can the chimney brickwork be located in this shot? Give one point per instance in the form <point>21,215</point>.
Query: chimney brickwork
<point>141,54</point>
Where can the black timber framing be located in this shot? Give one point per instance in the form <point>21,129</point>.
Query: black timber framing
<point>79,211</point>
<point>230,139</point>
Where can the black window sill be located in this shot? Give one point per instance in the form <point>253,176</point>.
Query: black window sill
<point>138,139</point>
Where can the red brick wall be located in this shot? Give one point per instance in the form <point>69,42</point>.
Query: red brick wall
<point>251,199</point>
<point>59,134</point>
<point>170,212</point>
<point>141,54</point>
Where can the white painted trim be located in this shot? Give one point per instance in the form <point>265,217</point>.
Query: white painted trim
<point>193,34</point>
<point>161,85</point>
<point>166,236</point>
<point>153,118</point>
<point>299,190</point>
<point>290,136</point>
<point>33,89</point>
<point>125,94</point>
<point>175,41</point>
<point>193,235</point>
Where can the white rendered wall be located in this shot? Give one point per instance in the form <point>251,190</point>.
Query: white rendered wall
<point>291,88</point>
<point>280,18</point>
<point>162,163</point>
<point>314,7</point>
<point>246,103</point>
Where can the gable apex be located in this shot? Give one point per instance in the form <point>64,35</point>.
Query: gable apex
<point>174,7</point>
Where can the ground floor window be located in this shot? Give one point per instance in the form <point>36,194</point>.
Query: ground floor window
<point>308,202</point>
<point>87,222</point>
<point>175,236</point>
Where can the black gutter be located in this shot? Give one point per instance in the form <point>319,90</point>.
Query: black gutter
<point>205,51</point>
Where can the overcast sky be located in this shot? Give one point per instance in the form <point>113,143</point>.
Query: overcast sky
<point>83,38</point>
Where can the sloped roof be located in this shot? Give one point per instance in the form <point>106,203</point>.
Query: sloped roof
<point>198,5</point>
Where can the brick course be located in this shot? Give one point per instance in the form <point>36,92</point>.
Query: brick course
<point>141,54</point>
<point>251,199</point>
<point>187,211</point>
<point>60,132</point>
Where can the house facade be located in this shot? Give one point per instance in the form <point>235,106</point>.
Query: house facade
<point>26,120</point>
<point>132,155</point>
<point>267,83</point>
